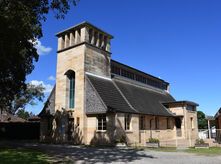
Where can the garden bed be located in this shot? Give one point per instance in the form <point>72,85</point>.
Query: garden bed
<point>152,145</point>
<point>202,146</point>
<point>200,143</point>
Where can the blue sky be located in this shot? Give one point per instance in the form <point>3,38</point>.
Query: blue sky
<point>176,40</point>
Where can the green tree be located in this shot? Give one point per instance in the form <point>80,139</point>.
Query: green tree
<point>21,24</point>
<point>30,95</point>
<point>202,122</point>
<point>22,113</point>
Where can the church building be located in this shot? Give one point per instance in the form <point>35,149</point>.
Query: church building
<point>97,100</point>
<point>218,125</point>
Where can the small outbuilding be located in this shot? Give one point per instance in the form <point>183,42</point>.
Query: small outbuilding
<point>13,127</point>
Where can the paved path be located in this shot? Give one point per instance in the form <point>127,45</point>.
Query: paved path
<point>81,154</point>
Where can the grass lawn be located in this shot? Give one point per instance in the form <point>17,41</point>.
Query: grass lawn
<point>203,151</point>
<point>22,156</point>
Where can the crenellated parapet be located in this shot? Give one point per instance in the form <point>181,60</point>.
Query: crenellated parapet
<point>84,33</point>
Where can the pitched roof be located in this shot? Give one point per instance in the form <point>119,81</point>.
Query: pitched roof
<point>126,97</point>
<point>110,95</point>
<point>145,100</point>
<point>49,105</point>
<point>7,118</point>
<point>218,113</point>
<point>182,103</point>
<point>210,118</point>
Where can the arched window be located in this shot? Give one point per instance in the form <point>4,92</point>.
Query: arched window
<point>71,87</point>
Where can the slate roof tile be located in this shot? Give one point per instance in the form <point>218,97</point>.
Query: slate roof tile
<point>125,97</point>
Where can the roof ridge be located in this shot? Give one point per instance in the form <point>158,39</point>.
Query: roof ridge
<point>98,76</point>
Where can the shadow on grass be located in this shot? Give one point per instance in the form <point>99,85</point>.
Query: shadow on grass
<point>22,156</point>
<point>96,154</point>
<point>70,153</point>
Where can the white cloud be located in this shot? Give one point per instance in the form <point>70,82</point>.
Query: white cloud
<point>52,78</point>
<point>48,87</point>
<point>41,49</point>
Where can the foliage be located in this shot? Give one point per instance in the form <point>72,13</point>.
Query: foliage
<point>24,114</point>
<point>20,27</point>
<point>153,140</point>
<point>202,122</point>
<point>27,96</point>
<point>122,139</point>
<point>200,142</point>
<point>22,156</point>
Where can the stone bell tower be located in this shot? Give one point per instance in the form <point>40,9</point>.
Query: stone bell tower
<point>81,48</point>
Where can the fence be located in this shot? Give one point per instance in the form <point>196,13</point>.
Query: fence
<point>182,138</point>
<point>212,134</point>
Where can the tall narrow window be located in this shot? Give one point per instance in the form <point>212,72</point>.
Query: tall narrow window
<point>71,91</point>
<point>157,122</point>
<point>192,123</point>
<point>168,123</point>
<point>127,121</point>
<point>71,88</point>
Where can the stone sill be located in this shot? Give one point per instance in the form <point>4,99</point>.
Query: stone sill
<point>101,131</point>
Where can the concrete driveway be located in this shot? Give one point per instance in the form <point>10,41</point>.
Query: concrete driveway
<point>82,154</point>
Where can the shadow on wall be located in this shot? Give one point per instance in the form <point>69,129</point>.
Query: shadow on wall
<point>114,134</point>
<point>61,129</point>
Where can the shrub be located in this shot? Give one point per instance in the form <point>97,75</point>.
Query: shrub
<point>154,140</point>
<point>200,141</point>
<point>122,139</point>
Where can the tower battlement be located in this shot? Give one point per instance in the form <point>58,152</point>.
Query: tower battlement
<point>83,33</point>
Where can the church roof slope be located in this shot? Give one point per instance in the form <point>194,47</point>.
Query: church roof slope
<point>129,98</point>
<point>109,94</point>
<point>49,106</point>
<point>145,100</point>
